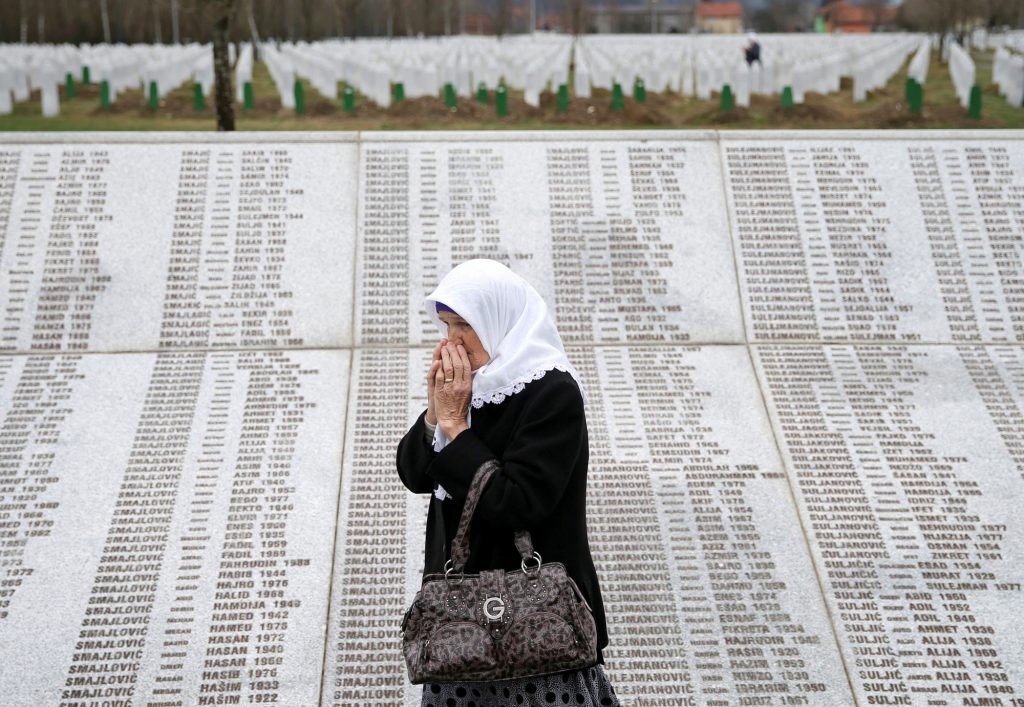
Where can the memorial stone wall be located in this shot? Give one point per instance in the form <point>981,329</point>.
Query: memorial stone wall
<point>804,354</point>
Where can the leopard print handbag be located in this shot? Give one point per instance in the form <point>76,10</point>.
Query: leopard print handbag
<point>497,624</point>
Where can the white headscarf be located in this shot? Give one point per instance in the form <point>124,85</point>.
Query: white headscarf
<point>514,326</point>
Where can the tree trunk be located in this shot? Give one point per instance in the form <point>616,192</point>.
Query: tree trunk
<point>105,17</point>
<point>339,21</point>
<point>407,18</point>
<point>175,36</point>
<point>40,23</point>
<point>158,32</point>
<point>24,21</point>
<point>309,27</point>
<point>447,7</point>
<point>222,66</point>
<point>576,17</point>
<point>253,31</point>
<point>501,17</point>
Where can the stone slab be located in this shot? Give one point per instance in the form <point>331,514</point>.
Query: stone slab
<point>838,528</point>
<point>128,247</point>
<point>626,240</point>
<point>710,597</point>
<point>853,239</point>
<point>168,524</point>
<point>906,462</point>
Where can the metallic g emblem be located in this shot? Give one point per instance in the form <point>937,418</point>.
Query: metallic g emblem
<point>494,608</point>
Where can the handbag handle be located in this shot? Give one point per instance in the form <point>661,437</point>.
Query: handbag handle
<point>460,544</point>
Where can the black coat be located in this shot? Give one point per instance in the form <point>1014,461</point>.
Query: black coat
<point>540,438</point>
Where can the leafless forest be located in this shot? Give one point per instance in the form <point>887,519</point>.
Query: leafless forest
<point>161,21</point>
<point>166,21</point>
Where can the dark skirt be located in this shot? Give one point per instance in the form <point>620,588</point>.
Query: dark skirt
<point>587,686</point>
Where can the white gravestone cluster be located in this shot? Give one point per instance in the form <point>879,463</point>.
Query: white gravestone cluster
<point>804,354</point>
<point>691,65</point>
<point>25,68</point>
<point>528,63</point>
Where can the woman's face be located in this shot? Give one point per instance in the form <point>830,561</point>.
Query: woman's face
<point>460,332</point>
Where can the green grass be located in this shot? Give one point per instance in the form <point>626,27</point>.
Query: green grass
<point>941,103</point>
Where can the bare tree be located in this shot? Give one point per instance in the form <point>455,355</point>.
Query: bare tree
<point>105,17</point>
<point>614,15</point>
<point>1005,13</point>
<point>577,10</point>
<point>339,17</point>
<point>309,27</point>
<point>158,33</point>
<point>348,16</point>
<point>407,18</point>
<point>254,33</point>
<point>940,16</point>
<point>425,16</point>
<point>24,21</point>
<point>782,16</point>
<point>875,10</point>
<point>175,34</point>
<point>220,14</point>
<point>40,22</point>
<point>501,17</point>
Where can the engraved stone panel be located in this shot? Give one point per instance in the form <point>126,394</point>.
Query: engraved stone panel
<point>127,247</point>
<point>711,598</point>
<point>818,465</point>
<point>858,239</point>
<point>625,239</point>
<point>907,463</point>
<point>167,525</point>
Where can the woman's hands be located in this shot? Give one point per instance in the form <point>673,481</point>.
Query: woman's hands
<point>449,388</point>
<point>435,364</point>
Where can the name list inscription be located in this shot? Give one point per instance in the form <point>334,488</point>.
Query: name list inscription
<point>203,586</point>
<point>908,465</point>
<point>601,229</point>
<point>866,240</point>
<point>231,231</point>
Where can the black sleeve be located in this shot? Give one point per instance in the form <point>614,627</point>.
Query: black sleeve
<point>539,459</point>
<point>414,456</point>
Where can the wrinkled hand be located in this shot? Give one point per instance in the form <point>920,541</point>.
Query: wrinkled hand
<point>435,364</point>
<point>453,389</point>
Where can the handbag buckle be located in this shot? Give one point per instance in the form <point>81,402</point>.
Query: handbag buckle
<point>536,556</point>
<point>448,569</point>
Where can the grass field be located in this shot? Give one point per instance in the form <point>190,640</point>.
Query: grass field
<point>884,108</point>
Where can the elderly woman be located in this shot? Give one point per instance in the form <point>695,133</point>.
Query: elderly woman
<point>500,388</point>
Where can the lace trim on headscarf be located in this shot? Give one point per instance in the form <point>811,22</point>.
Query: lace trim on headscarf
<point>498,395</point>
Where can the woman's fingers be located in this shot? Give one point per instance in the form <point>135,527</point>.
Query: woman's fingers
<point>436,356</point>
<point>463,368</point>
<point>458,355</point>
<point>432,374</point>
<point>447,365</point>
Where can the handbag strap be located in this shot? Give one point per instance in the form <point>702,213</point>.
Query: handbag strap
<point>460,544</point>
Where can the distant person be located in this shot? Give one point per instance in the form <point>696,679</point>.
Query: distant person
<point>752,50</point>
